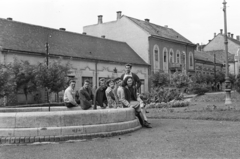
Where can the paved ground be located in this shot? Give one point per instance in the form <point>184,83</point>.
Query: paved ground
<point>168,139</point>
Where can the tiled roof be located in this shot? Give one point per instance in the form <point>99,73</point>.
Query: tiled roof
<point>160,31</point>
<point>234,40</point>
<point>201,55</point>
<point>31,38</point>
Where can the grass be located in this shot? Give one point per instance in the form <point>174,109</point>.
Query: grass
<point>206,107</point>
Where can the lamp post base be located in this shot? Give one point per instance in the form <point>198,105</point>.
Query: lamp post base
<point>228,100</point>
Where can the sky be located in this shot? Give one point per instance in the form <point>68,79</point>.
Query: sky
<point>196,20</point>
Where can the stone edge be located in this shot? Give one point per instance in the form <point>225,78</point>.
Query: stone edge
<point>42,139</point>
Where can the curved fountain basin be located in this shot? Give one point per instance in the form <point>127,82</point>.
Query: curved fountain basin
<point>60,125</point>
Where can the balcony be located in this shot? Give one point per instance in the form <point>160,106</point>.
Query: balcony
<point>174,66</point>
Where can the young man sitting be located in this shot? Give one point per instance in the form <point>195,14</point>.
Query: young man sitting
<point>68,96</point>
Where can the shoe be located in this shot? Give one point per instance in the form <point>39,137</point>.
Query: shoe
<point>147,126</point>
<point>147,122</point>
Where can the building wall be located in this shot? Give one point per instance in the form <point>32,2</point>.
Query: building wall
<point>123,30</point>
<point>206,68</point>
<point>218,44</point>
<point>170,46</point>
<point>81,69</point>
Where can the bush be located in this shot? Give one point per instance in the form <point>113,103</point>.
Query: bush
<point>199,89</point>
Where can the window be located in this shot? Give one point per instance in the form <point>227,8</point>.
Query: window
<point>87,78</point>
<point>165,60</point>
<point>178,57</point>
<point>171,56</point>
<point>156,62</point>
<point>156,55</point>
<point>191,59</point>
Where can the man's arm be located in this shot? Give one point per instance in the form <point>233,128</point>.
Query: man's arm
<point>122,98</point>
<point>138,81</point>
<point>70,97</point>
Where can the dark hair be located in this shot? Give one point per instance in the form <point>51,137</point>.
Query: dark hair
<point>70,81</point>
<point>110,80</point>
<point>125,80</point>
<point>128,64</point>
<point>86,80</point>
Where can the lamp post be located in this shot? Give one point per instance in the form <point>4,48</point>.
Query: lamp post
<point>227,81</point>
<point>47,54</point>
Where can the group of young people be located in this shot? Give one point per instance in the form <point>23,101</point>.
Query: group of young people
<point>120,92</point>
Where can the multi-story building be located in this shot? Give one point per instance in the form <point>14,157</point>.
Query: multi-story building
<point>216,46</point>
<point>160,46</point>
<point>91,57</point>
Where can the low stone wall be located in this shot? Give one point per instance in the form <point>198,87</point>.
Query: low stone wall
<point>28,127</point>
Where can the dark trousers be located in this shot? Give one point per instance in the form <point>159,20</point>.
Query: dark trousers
<point>70,105</point>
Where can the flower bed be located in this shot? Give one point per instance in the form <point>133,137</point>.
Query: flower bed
<point>171,104</point>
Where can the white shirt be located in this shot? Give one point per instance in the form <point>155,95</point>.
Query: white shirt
<point>126,75</point>
<point>68,96</point>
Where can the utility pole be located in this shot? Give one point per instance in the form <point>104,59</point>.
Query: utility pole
<point>47,55</point>
<point>227,81</point>
<point>215,72</point>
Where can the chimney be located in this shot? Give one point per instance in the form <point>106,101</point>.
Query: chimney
<point>100,19</point>
<point>209,41</point>
<point>238,38</point>
<point>215,35</point>
<point>147,20</point>
<point>221,31</point>
<point>166,26</point>
<point>63,29</point>
<point>231,35</point>
<point>9,18</point>
<point>84,33</point>
<point>119,14</point>
<point>103,36</point>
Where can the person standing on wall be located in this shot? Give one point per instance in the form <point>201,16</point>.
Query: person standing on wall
<point>136,81</point>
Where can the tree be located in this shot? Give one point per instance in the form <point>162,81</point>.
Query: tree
<point>6,81</point>
<point>24,77</point>
<point>160,79</point>
<point>237,83</point>
<point>52,77</point>
<point>181,80</point>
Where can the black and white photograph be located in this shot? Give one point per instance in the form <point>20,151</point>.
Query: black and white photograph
<point>119,79</point>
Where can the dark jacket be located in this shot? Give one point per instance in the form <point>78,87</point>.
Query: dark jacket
<point>85,96</point>
<point>100,96</point>
<point>130,93</point>
<point>136,80</point>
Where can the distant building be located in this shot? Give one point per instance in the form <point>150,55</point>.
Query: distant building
<point>217,46</point>
<point>205,63</point>
<point>91,57</point>
<point>160,46</point>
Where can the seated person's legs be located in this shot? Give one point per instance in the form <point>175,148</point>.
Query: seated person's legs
<point>70,105</point>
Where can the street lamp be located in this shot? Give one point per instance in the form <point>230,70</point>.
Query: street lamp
<point>227,81</point>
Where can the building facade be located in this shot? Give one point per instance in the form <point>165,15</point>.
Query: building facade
<point>90,57</point>
<point>161,47</point>
<point>216,46</point>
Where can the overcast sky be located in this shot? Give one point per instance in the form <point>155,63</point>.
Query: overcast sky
<point>197,20</point>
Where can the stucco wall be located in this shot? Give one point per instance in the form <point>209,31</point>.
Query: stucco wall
<point>83,68</point>
<point>218,44</point>
<point>123,30</point>
<point>169,46</point>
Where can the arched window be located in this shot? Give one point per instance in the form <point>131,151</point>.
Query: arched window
<point>190,59</point>
<point>156,61</point>
<point>171,56</point>
<point>178,56</point>
<point>165,60</point>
